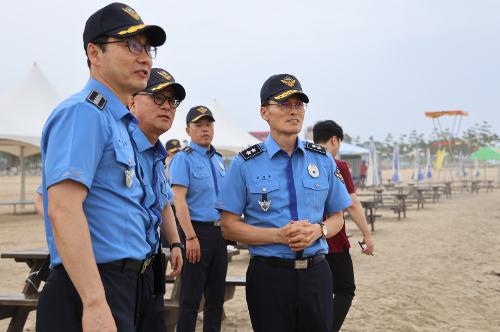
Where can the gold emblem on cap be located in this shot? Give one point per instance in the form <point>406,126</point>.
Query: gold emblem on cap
<point>285,94</point>
<point>132,13</point>
<point>288,81</point>
<point>202,110</point>
<point>132,29</point>
<point>164,74</point>
<point>160,86</point>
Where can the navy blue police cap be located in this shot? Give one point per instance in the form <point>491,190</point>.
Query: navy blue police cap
<point>160,79</point>
<point>172,145</point>
<point>281,87</point>
<point>120,21</point>
<point>197,113</point>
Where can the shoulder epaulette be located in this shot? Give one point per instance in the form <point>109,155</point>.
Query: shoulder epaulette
<point>339,175</point>
<point>315,147</point>
<point>97,99</point>
<point>251,152</point>
<point>187,149</point>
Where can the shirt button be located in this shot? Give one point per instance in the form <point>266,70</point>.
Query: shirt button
<point>264,189</point>
<point>130,161</point>
<point>317,185</point>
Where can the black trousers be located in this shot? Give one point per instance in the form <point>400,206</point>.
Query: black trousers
<point>129,296</point>
<point>207,277</point>
<point>283,299</point>
<point>343,285</point>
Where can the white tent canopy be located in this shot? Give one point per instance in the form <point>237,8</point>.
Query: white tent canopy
<point>347,149</point>
<point>12,144</point>
<point>23,112</point>
<point>25,108</point>
<point>229,138</point>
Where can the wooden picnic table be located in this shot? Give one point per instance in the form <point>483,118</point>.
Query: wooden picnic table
<point>435,193</point>
<point>489,185</point>
<point>447,189</point>
<point>369,207</point>
<point>15,204</point>
<point>402,201</point>
<point>18,306</point>
<point>474,187</point>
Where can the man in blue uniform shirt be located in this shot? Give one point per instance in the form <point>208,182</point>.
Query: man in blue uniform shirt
<point>155,108</point>
<point>284,186</point>
<point>196,174</point>
<point>95,224</point>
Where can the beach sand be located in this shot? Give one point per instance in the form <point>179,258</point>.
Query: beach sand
<point>437,270</point>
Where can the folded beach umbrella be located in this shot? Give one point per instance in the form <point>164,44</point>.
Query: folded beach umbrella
<point>428,166</point>
<point>395,165</point>
<point>418,175</point>
<point>372,173</point>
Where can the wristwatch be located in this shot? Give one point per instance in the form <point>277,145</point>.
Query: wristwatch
<point>324,230</point>
<point>177,245</point>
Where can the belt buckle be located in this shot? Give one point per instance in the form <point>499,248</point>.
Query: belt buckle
<point>146,263</point>
<point>300,264</point>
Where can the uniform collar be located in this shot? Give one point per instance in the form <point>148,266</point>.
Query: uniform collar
<point>272,147</point>
<point>113,104</point>
<point>143,143</point>
<point>201,149</point>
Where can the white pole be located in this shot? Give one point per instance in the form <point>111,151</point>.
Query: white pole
<point>23,175</point>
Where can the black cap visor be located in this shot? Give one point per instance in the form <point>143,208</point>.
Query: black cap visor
<point>156,35</point>
<point>179,91</point>
<point>284,95</point>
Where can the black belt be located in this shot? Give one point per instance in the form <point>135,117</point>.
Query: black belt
<point>206,223</point>
<point>296,264</point>
<point>131,264</point>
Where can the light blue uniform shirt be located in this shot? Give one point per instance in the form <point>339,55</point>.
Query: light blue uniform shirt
<point>92,146</point>
<point>151,174</point>
<point>195,169</point>
<point>318,191</point>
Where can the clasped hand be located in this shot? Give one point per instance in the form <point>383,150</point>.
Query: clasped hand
<point>299,234</point>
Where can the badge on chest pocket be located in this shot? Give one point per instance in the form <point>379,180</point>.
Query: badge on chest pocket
<point>129,177</point>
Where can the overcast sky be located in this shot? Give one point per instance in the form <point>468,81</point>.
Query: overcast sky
<point>374,66</point>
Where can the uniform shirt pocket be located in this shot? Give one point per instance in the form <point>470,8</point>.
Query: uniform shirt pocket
<point>200,172</point>
<point>260,189</point>
<point>122,172</point>
<point>316,191</point>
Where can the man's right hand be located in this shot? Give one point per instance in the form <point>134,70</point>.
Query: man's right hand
<point>98,318</point>
<point>193,251</point>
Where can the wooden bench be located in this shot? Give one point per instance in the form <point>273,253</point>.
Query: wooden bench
<point>396,208</point>
<point>16,306</point>
<point>16,203</point>
<point>172,303</point>
<point>10,304</point>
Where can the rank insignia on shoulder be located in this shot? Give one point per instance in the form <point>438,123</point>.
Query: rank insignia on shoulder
<point>97,99</point>
<point>187,149</point>
<point>251,152</point>
<point>315,147</point>
<point>337,174</point>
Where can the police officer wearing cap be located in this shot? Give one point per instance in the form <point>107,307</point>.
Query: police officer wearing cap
<point>197,174</point>
<point>96,225</point>
<point>283,186</point>
<point>155,108</point>
<point>172,146</point>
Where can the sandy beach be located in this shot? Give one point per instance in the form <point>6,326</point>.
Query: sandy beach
<point>437,270</point>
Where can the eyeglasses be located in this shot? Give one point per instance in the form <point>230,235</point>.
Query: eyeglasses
<point>288,107</point>
<point>160,99</point>
<point>135,47</point>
